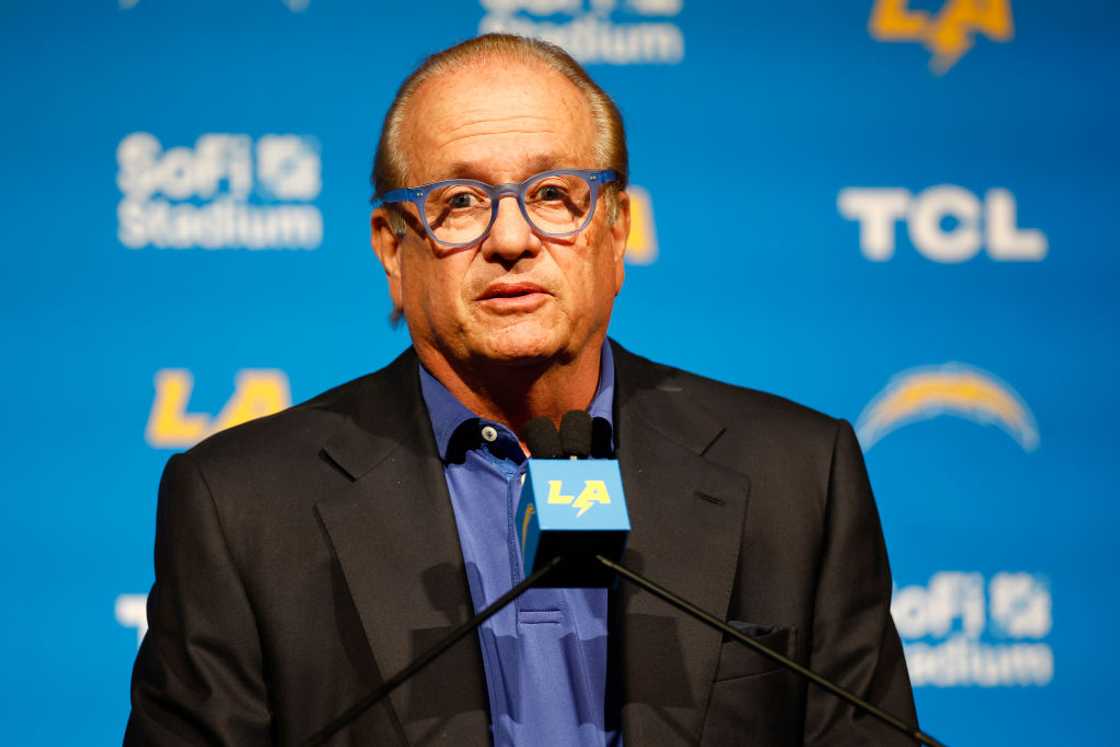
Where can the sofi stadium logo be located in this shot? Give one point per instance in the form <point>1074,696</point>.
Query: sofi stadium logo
<point>225,192</point>
<point>945,223</point>
<point>950,389</point>
<point>947,34</point>
<point>617,32</point>
<point>961,629</point>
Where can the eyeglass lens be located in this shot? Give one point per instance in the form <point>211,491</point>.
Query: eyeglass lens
<point>555,204</point>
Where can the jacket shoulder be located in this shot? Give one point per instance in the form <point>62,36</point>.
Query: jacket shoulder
<point>300,431</point>
<point>282,430</point>
<point>770,416</point>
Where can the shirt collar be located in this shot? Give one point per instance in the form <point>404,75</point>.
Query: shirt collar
<point>448,414</point>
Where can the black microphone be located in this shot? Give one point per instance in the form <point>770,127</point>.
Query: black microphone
<point>542,439</point>
<point>575,434</point>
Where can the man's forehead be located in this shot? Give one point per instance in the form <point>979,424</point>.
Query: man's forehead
<point>495,117</point>
<point>531,163</point>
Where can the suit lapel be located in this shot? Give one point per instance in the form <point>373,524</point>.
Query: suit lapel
<point>686,515</point>
<point>393,533</point>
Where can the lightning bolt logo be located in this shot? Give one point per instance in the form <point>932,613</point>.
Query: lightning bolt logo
<point>594,491</point>
<point>949,389</point>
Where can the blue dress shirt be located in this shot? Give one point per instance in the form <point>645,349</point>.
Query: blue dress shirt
<point>545,655</point>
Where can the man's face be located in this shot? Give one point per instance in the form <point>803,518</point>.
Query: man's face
<point>515,297</point>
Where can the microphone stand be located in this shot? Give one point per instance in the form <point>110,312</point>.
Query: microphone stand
<point>391,684</point>
<point>343,719</point>
<point>714,622</point>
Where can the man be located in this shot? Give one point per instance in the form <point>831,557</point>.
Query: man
<point>302,559</point>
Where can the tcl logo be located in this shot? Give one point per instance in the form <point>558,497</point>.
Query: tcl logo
<point>945,223</point>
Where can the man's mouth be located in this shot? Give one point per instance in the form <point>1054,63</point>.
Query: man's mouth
<point>513,297</point>
<point>511,290</point>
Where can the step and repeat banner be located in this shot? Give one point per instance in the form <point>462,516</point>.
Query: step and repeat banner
<point>900,212</point>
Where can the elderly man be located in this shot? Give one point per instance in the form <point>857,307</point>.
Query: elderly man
<point>302,559</point>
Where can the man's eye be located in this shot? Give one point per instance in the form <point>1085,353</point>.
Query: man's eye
<point>462,200</point>
<point>551,192</point>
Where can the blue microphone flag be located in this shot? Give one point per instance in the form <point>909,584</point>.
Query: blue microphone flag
<point>574,508</point>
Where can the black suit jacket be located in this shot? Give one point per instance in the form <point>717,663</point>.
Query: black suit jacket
<point>302,558</point>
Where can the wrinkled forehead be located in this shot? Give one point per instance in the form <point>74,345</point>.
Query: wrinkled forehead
<point>496,120</point>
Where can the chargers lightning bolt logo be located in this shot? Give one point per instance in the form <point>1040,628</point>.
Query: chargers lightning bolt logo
<point>949,389</point>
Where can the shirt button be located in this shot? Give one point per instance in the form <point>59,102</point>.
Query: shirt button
<point>489,433</point>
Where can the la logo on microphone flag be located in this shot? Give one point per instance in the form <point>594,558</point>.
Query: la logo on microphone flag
<point>594,491</point>
<point>574,508</point>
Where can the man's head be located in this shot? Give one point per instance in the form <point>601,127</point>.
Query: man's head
<point>500,109</point>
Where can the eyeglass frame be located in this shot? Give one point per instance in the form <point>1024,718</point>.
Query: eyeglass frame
<point>596,179</point>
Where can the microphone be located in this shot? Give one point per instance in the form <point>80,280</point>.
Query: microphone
<point>572,508</point>
<point>542,439</point>
<point>575,434</point>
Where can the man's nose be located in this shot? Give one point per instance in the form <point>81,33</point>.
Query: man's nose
<point>511,236</point>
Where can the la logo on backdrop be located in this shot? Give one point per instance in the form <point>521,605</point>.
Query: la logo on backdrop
<point>171,424</point>
<point>961,629</point>
<point>949,33</point>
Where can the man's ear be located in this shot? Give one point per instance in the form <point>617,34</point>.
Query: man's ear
<point>386,242</point>
<point>620,232</point>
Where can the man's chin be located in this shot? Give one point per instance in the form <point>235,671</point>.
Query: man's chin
<point>522,348</point>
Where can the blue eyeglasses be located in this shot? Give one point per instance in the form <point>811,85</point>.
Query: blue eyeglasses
<point>461,212</point>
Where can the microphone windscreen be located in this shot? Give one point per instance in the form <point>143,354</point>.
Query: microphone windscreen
<point>575,433</point>
<point>542,439</point>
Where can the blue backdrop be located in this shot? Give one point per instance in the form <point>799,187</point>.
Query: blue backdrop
<point>901,213</point>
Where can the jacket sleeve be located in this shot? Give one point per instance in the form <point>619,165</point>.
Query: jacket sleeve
<point>854,641</point>
<point>198,676</point>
